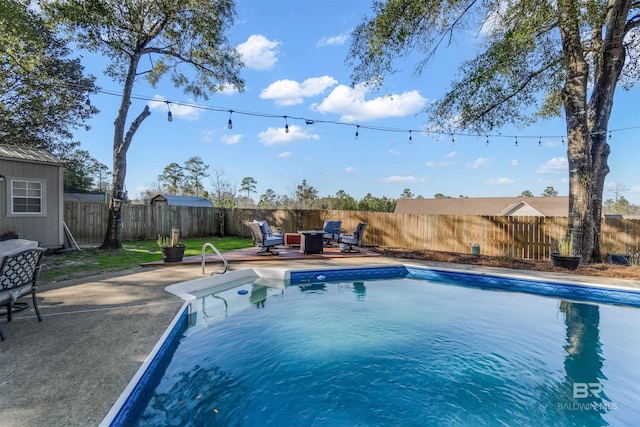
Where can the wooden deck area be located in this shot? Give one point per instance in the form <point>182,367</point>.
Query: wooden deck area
<point>250,254</point>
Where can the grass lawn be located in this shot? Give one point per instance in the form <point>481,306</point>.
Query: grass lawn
<point>90,260</point>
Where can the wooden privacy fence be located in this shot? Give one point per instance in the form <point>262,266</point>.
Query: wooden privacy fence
<point>520,237</point>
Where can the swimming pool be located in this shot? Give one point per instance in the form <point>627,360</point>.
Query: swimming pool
<point>394,346</point>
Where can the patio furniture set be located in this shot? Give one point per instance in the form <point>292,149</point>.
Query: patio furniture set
<point>20,262</point>
<point>310,241</point>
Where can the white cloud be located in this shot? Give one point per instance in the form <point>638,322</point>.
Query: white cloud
<point>635,189</point>
<point>452,154</point>
<point>499,181</point>
<point>258,52</point>
<point>440,164</point>
<point>278,136</point>
<point>557,165</point>
<point>231,139</point>
<point>392,151</point>
<point>515,163</point>
<point>285,154</point>
<point>401,179</point>
<point>184,112</point>
<point>351,104</point>
<point>333,40</point>
<point>207,135</point>
<point>479,163</point>
<point>350,169</point>
<point>291,92</point>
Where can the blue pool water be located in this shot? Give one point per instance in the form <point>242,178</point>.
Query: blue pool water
<point>400,351</point>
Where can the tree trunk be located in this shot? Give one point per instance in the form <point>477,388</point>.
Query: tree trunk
<point>121,143</point>
<point>608,66</point>
<point>600,153</point>
<point>222,213</point>
<point>574,97</point>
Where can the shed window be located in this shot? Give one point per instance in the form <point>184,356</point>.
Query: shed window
<point>27,197</point>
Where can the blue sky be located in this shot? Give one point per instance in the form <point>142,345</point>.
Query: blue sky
<point>295,66</point>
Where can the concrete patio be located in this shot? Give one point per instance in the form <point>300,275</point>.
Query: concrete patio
<point>96,333</point>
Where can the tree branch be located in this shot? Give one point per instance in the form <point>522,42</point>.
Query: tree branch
<point>134,127</point>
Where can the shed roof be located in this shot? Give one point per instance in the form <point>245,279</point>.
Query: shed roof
<point>28,154</point>
<point>172,200</point>
<point>490,206</point>
<point>85,197</point>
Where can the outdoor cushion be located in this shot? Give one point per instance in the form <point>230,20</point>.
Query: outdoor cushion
<point>13,246</point>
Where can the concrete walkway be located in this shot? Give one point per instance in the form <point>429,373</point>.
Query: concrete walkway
<point>96,332</point>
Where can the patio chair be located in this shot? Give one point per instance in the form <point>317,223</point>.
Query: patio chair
<point>331,231</point>
<point>347,242</point>
<point>263,238</point>
<point>18,274</point>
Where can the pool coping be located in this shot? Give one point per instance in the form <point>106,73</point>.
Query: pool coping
<point>582,291</point>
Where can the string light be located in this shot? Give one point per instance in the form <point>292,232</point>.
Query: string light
<point>230,125</point>
<point>516,141</point>
<point>310,121</point>
<point>357,133</point>
<point>540,142</point>
<point>87,104</point>
<point>169,115</point>
<point>410,138</point>
<point>286,125</point>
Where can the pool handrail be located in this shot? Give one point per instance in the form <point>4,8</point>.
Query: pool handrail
<point>212,246</point>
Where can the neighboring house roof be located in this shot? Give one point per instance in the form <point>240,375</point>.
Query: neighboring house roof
<point>85,197</point>
<point>27,154</point>
<point>488,206</point>
<point>181,201</point>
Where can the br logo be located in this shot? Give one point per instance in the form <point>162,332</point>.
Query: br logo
<point>582,390</point>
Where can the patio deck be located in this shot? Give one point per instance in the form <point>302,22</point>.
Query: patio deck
<point>284,253</point>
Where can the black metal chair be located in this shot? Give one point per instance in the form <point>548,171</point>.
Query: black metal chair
<point>18,274</point>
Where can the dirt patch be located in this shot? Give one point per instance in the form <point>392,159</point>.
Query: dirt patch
<point>598,270</point>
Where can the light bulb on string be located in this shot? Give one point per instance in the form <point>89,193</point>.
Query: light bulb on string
<point>169,115</point>
<point>516,141</point>
<point>286,125</point>
<point>410,137</point>
<point>609,135</point>
<point>87,104</point>
<point>357,133</point>
<point>453,141</point>
<point>563,140</point>
<point>230,125</point>
<point>487,140</point>
<point>540,142</point>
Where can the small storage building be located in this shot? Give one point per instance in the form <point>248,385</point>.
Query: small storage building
<point>31,195</point>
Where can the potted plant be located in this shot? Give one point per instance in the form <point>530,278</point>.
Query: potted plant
<point>565,256</point>
<point>172,251</point>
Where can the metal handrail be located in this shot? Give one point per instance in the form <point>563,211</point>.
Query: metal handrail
<point>204,247</point>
